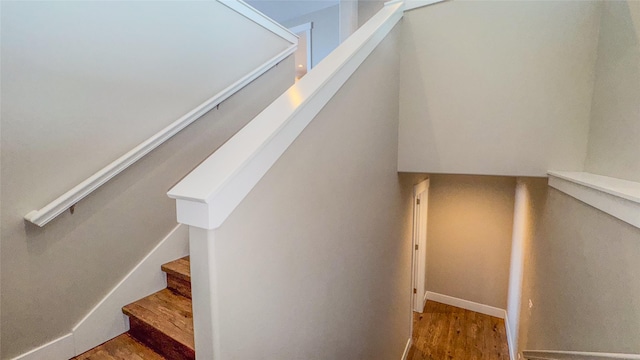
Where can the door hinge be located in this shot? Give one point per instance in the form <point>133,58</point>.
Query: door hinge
<point>418,201</point>
<point>416,246</point>
<point>415,291</point>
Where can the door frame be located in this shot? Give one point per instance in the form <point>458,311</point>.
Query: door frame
<point>306,28</point>
<point>419,246</point>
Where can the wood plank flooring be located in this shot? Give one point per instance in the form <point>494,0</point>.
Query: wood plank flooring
<point>123,347</point>
<point>445,332</point>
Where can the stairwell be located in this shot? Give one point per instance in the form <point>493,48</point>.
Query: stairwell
<point>161,324</point>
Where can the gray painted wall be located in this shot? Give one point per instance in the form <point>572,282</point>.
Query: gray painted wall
<point>582,265</point>
<point>581,274</point>
<point>368,8</point>
<point>614,148</point>
<point>497,87</point>
<point>82,83</point>
<point>469,237</point>
<point>317,257</point>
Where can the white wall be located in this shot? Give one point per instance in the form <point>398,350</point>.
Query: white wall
<point>497,87</point>
<point>82,83</point>
<point>317,258</point>
<point>325,33</point>
<point>614,149</point>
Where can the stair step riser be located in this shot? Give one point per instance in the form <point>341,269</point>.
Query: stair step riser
<point>158,341</point>
<point>179,286</point>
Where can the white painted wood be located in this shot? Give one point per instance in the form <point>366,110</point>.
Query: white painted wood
<point>420,210</point>
<point>414,4</point>
<point>42,216</point>
<point>106,321</point>
<point>576,355</point>
<point>407,348</point>
<point>58,349</point>
<point>306,28</point>
<point>302,27</point>
<point>616,197</point>
<point>466,304</point>
<point>510,341</point>
<point>516,267</point>
<point>227,176</point>
<point>204,293</point>
<point>261,19</point>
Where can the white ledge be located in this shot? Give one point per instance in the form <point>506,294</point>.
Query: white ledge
<point>208,195</point>
<point>616,197</point>
<point>576,355</point>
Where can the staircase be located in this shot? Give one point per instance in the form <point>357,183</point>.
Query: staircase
<point>161,324</point>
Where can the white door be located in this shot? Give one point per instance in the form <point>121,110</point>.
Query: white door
<point>421,201</point>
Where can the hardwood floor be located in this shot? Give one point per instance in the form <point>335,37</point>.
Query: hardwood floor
<point>447,332</point>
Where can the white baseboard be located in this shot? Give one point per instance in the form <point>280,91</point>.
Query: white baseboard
<point>106,321</point>
<point>407,347</point>
<point>424,300</point>
<point>510,342</point>
<point>466,304</point>
<point>576,355</point>
<point>61,348</point>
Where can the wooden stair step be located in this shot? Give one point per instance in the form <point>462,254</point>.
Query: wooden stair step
<point>123,347</point>
<point>179,276</point>
<point>164,322</point>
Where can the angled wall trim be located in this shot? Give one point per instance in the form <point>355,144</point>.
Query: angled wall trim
<point>407,348</point>
<point>261,19</point>
<point>414,4</point>
<point>616,197</point>
<point>61,348</point>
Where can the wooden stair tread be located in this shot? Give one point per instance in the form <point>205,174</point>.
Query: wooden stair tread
<point>180,268</point>
<point>122,347</point>
<point>169,313</point>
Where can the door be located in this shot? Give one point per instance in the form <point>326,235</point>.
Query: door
<point>420,203</point>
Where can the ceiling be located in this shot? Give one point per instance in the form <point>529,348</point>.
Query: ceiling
<point>284,10</point>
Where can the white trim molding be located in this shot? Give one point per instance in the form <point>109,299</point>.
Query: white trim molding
<point>616,197</point>
<point>206,196</point>
<point>261,19</point>
<point>106,320</point>
<point>44,215</point>
<point>58,349</point>
<point>510,341</point>
<point>576,355</point>
<point>414,4</point>
<point>407,348</point>
<point>466,304</point>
